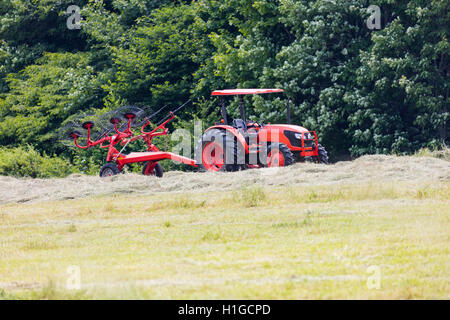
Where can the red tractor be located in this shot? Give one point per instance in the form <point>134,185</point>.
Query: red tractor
<point>236,144</point>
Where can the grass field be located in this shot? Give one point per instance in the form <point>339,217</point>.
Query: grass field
<point>333,239</point>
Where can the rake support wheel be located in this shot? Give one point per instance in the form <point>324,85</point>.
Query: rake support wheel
<point>157,170</point>
<point>108,170</point>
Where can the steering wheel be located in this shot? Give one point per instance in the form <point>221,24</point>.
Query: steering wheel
<point>253,124</point>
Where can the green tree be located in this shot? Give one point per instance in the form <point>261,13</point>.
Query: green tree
<point>401,98</point>
<point>243,38</point>
<point>43,95</point>
<point>154,59</point>
<point>30,28</point>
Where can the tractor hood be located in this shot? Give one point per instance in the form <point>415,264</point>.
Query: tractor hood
<point>282,127</point>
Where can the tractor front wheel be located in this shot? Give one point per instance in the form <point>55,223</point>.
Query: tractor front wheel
<point>150,169</point>
<point>279,155</point>
<point>108,170</point>
<point>323,155</point>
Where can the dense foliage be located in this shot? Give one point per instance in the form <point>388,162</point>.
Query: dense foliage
<point>25,161</point>
<point>365,91</point>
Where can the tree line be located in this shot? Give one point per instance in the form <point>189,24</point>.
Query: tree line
<point>364,90</point>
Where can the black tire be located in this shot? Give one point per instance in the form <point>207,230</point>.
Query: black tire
<point>108,170</point>
<point>284,149</point>
<point>158,171</point>
<point>323,155</point>
<point>230,146</point>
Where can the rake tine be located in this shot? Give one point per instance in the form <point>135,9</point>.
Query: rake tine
<point>180,107</point>
<point>176,110</point>
<point>154,114</point>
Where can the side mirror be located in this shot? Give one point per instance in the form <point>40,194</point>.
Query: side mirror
<point>288,111</point>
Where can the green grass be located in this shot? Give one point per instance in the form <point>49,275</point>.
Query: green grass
<point>254,243</point>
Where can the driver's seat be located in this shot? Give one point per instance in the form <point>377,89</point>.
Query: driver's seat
<point>240,124</point>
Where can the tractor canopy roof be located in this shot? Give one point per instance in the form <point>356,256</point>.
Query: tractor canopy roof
<point>231,92</point>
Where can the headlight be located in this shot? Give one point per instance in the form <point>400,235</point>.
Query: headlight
<point>307,136</point>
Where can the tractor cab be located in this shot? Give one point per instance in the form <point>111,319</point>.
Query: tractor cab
<point>248,129</point>
<point>242,123</point>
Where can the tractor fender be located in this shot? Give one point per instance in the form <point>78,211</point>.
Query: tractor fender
<point>234,132</point>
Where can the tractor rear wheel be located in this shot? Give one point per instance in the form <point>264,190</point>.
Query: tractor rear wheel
<point>279,155</point>
<point>108,170</point>
<point>216,145</point>
<point>323,155</point>
<point>147,170</point>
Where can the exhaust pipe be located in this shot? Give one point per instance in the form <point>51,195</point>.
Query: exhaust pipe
<point>288,111</point>
<point>241,107</point>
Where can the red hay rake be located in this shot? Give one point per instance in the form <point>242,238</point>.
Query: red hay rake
<point>119,131</point>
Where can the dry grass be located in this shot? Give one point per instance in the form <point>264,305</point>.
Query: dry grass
<point>364,169</point>
<point>443,153</point>
<point>209,239</point>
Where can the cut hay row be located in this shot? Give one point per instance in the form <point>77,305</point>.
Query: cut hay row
<point>367,168</point>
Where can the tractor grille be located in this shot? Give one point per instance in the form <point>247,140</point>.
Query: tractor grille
<point>309,143</point>
<point>297,142</point>
<point>292,139</point>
